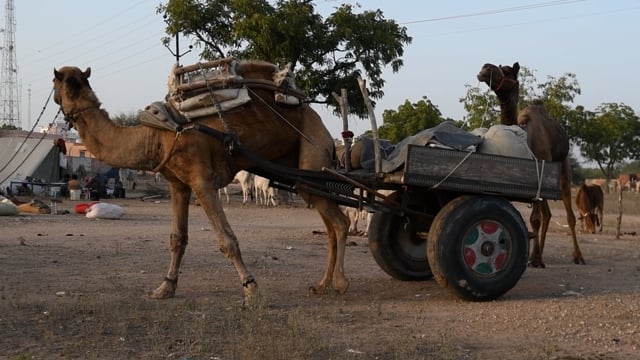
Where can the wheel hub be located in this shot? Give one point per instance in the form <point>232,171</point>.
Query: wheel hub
<point>486,248</point>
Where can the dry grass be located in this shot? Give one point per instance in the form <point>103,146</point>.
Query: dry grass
<point>379,318</point>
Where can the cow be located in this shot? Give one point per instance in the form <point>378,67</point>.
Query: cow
<point>590,204</point>
<point>628,181</point>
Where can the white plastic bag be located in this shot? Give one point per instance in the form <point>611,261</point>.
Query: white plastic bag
<point>104,211</point>
<point>7,207</point>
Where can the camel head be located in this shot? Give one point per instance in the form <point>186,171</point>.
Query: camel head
<point>499,77</point>
<point>71,90</point>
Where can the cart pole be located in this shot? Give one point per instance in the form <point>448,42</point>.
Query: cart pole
<point>374,126</point>
<point>347,136</point>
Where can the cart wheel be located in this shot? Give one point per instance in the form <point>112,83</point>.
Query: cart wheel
<point>397,247</point>
<point>478,247</point>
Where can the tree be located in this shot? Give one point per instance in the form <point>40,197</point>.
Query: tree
<point>608,136</point>
<point>326,54</point>
<point>8,127</point>
<point>409,119</point>
<point>483,108</point>
<point>557,96</point>
<point>123,119</point>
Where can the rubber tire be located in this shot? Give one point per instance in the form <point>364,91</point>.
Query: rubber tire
<point>387,235</point>
<point>446,253</point>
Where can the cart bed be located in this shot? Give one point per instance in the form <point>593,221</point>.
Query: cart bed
<point>481,173</point>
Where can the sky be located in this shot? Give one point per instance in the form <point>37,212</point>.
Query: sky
<point>120,41</point>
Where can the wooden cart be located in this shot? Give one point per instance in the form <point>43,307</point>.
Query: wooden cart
<point>449,215</point>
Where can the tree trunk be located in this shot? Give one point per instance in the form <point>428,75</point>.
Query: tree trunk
<point>619,214</point>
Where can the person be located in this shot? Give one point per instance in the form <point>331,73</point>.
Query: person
<point>74,184</point>
<point>93,184</point>
<point>118,190</point>
<point>62,155</point>
<point>64,188</point>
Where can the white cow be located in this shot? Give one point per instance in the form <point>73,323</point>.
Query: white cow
<point>362,216</point>
<point>223,191</point>
<point>356,216</point>
<point>127,177</point>
<point>265,194</point>
<point>245,179</point>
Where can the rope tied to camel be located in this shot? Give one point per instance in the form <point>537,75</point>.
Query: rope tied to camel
<point>166,157</point>
<point>248,281</point>
<point>285,120</point>
<point>211,91</point>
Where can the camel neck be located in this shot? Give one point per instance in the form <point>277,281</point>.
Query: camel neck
<point>509,113</point>
<point>508,107</point>
<point>119,146</point>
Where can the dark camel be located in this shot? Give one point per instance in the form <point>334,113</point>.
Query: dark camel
<point>547,140</point>
<point>195,162</point>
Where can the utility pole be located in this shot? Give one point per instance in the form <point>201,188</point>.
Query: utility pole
<point>177,53</point>
<point>9,99</point>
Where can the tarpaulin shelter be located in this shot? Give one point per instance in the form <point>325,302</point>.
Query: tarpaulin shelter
<point>25,155</point>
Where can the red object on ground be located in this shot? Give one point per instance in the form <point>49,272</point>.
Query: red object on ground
<point>83,207</point>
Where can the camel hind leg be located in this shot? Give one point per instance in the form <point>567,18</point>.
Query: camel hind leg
<point>539,227</point>
<point>571,218</point>
<point>317,150</point>
<point>337,225</point>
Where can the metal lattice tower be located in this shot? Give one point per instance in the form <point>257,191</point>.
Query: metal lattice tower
<point>9,101</point>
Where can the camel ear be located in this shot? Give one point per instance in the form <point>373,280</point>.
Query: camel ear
<point>87,73</point>
<point>57,75</point>
<point>516,67</point>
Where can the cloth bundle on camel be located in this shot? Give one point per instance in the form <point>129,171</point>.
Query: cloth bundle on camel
<point>204,89</point>
<point>200,89</point>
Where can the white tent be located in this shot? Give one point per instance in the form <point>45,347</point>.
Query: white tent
<point>24,155</point>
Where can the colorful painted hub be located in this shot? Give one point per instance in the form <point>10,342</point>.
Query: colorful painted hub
<point>486,248</point>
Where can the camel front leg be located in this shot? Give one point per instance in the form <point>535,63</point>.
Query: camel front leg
<point>545,214</point>
<point>227,241</point>
<point>180,196</point>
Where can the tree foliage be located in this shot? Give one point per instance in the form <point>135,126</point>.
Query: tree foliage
<point>8,127</point>
<point>124,119</point>
<point>326,54</point>
<point>409,119</point>
<point>609,136</point>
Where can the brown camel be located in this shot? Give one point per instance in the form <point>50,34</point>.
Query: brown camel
<point>192,161</point>
<point>547,140</point>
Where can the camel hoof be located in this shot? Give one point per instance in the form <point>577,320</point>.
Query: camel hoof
<point>164,291</point>
<point>536,264</point>
<point>579,261</point>
<point>251,295</point>
<point>341,286</point>
<point>318,289</point>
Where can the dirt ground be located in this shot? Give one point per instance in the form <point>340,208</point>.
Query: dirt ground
<point>72,287</point>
